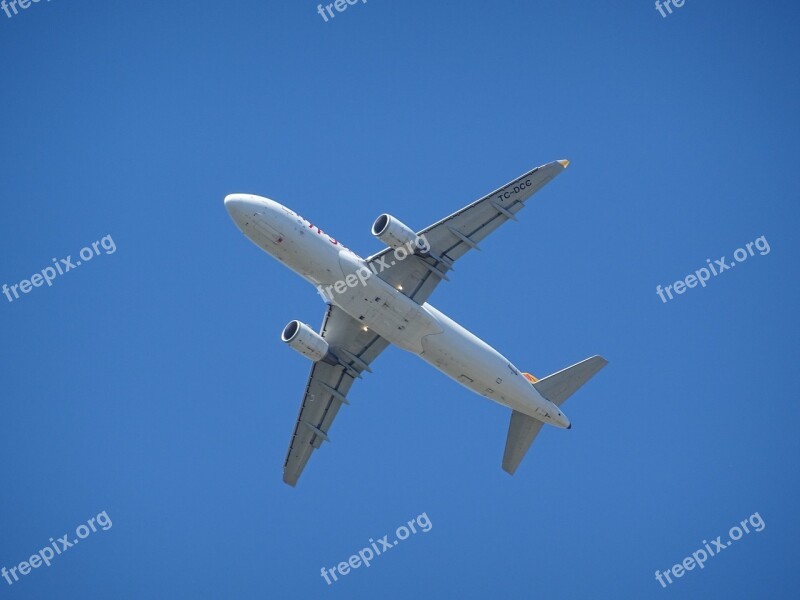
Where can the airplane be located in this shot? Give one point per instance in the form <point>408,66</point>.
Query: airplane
<point>380,300</point>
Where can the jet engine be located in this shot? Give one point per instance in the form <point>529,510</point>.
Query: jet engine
<point>393,233</point>
<point>305,340</point>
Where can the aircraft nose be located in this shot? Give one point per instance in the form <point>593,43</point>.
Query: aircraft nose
<point>238,207</point>
<point>235,203</point>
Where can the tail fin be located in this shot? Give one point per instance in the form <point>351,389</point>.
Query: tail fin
<point>522,429</point>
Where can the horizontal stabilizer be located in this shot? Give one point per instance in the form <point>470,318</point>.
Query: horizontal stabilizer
<point>521,432</point>
<point>560,386</point>
<point>556,388</point>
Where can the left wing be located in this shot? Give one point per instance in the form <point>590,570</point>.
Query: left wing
<point>451,238</point>
<point>328,385</point>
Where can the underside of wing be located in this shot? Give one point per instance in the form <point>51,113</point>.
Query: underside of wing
<point>352,349</point>
<point>452,237</point>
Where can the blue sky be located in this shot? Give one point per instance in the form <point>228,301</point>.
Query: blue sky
<point>151,383</point>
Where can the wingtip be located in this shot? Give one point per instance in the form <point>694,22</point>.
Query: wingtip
<point>564,163</point>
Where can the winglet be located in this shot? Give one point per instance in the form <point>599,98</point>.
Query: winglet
<point>564,163</point>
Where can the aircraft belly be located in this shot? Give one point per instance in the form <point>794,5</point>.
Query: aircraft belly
<point>383,309</point>
<point>398,324</point>
<point>477,366</point>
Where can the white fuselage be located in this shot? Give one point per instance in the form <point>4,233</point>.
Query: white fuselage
<point>420,329</point>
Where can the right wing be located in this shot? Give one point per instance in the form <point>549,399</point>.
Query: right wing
<point>451,238</point>
<point>328,385</point>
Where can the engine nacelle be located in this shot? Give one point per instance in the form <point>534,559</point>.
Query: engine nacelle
<point>305,340</point>
<point>395,234</point>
